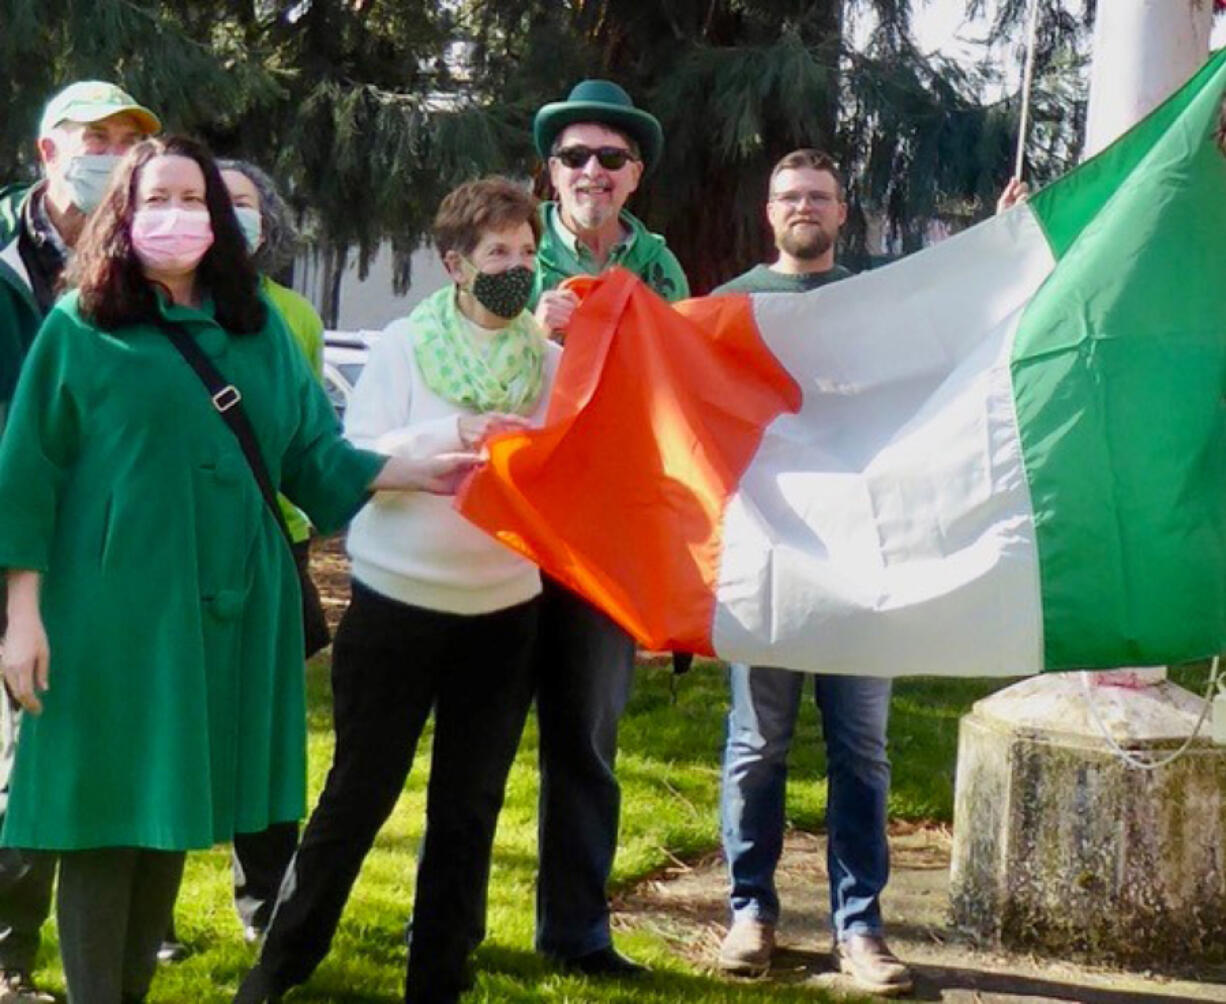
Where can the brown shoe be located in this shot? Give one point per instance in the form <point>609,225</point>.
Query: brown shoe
<point>867,959</point>
<point>747,947</point>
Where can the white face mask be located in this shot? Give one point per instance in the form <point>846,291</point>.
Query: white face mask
<point>88,175</point>
<point>252,226</point>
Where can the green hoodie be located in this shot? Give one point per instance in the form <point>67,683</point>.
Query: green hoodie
<point>19,314</point>
<point>643,253</point>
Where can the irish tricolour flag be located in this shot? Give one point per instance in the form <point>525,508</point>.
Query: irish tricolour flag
<point>1001,455</point>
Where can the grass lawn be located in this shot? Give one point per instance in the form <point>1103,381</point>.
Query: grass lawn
<point>669,768</point>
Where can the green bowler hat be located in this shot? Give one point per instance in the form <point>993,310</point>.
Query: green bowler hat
<point>600,101</point>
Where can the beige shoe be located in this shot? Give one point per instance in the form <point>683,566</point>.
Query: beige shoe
<point>867,959</point>
<point>16,987</point>
<point>747,947</point>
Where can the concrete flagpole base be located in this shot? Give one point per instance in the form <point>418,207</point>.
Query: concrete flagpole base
<point>1061,848</point>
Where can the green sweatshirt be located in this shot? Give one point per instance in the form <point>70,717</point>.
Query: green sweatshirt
<point>764,279</point>
<point>308,331</point>
<point>643,253</point>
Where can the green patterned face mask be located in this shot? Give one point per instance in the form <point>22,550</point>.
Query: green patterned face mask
<point>504,294</point>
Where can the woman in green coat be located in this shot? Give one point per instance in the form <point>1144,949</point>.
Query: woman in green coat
<point>154,613</point>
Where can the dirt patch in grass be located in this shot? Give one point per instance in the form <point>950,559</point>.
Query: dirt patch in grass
<point>687,907</point>
<point>330,570</point>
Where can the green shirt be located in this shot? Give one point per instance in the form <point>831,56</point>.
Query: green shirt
<point>764,279</point>
<point>645,254</point>
<point>176,714</point>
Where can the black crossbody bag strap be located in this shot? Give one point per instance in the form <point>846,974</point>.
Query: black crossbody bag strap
<point>227,401</point>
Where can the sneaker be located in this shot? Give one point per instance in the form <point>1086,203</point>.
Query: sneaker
<point>867,959</point>
<point>607,961</point>
<point>747,947</point>
<point>172,951</point>
<point>16,987</point>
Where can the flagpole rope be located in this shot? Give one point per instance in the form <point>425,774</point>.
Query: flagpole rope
<point>1144,763</point>
<point>1027,83</point>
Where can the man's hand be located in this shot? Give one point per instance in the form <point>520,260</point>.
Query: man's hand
<point>476,429</point>
<point>1016,191</point>
<point>554,309</point>
<point>438,475</point>
<point>26,659</point>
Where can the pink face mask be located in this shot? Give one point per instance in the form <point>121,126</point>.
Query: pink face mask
<point>170,239</point>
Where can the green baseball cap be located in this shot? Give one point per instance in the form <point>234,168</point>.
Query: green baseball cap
<point>92,101</point>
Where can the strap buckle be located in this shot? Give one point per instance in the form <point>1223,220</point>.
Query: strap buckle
<point>226,398</point>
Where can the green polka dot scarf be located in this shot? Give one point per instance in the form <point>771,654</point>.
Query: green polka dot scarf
<point>506,375</point>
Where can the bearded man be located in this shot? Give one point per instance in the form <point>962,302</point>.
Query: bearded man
<point>806,208</point>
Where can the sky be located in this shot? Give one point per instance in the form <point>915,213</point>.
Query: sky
<point>939,23</point>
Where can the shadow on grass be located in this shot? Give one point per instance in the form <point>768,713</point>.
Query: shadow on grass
<point>513,975</point>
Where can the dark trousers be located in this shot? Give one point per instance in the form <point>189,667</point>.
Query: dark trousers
<point>260,860</point>
<point>584,670</point>
<point>26,877</point>
<point>392,663</point>
<point>112,908</point>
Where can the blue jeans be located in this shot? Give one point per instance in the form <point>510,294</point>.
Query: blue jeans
<point>585,668</point>
<point>854,711</point>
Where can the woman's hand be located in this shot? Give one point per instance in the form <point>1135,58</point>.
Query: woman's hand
<point>438,475</point>
<point>26,652</point>
<point>554,309</point>
<point>476,429</point>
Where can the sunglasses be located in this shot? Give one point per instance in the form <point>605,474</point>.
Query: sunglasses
<point>611,158</point>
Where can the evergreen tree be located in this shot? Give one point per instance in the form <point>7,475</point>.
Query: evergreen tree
<point>367,111</point>
<point>738,83</point>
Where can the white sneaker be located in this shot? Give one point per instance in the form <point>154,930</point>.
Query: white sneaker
<point>747,947</point>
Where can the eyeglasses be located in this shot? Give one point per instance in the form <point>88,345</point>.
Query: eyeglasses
<point>611,158</point>
<point>794,200</point>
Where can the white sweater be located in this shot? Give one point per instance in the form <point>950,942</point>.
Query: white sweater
<point>413,546</point>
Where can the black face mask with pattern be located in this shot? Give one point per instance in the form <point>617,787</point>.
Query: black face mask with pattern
<point>504,294</point>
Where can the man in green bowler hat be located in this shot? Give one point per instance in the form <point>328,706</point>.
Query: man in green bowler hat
<point>598,146</point>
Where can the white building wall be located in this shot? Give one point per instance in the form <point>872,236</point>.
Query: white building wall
<point>370,304</point>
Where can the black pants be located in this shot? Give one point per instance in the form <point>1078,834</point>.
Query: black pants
<point>392,664</point>
<point>259,862</point>
<point>584,671</point>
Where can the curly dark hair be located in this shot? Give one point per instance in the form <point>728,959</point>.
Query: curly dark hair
<point>281,239</point>
<point>114,290</point>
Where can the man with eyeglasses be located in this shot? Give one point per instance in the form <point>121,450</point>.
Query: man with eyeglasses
<point>806,209</point>
<point>597,146</point>
<point>85,130</point>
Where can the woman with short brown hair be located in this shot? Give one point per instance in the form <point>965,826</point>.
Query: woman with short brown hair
<point>443,617</point>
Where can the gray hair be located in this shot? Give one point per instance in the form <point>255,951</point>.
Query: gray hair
<point>281,239</point>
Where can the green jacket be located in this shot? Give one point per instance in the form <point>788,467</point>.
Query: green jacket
<point>308,330</point>
<point>645,254</point>
<point>19,313</point>
<point>176,715</point>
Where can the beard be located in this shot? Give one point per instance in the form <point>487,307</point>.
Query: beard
<point>805,243</point>
<point>588,216</point>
